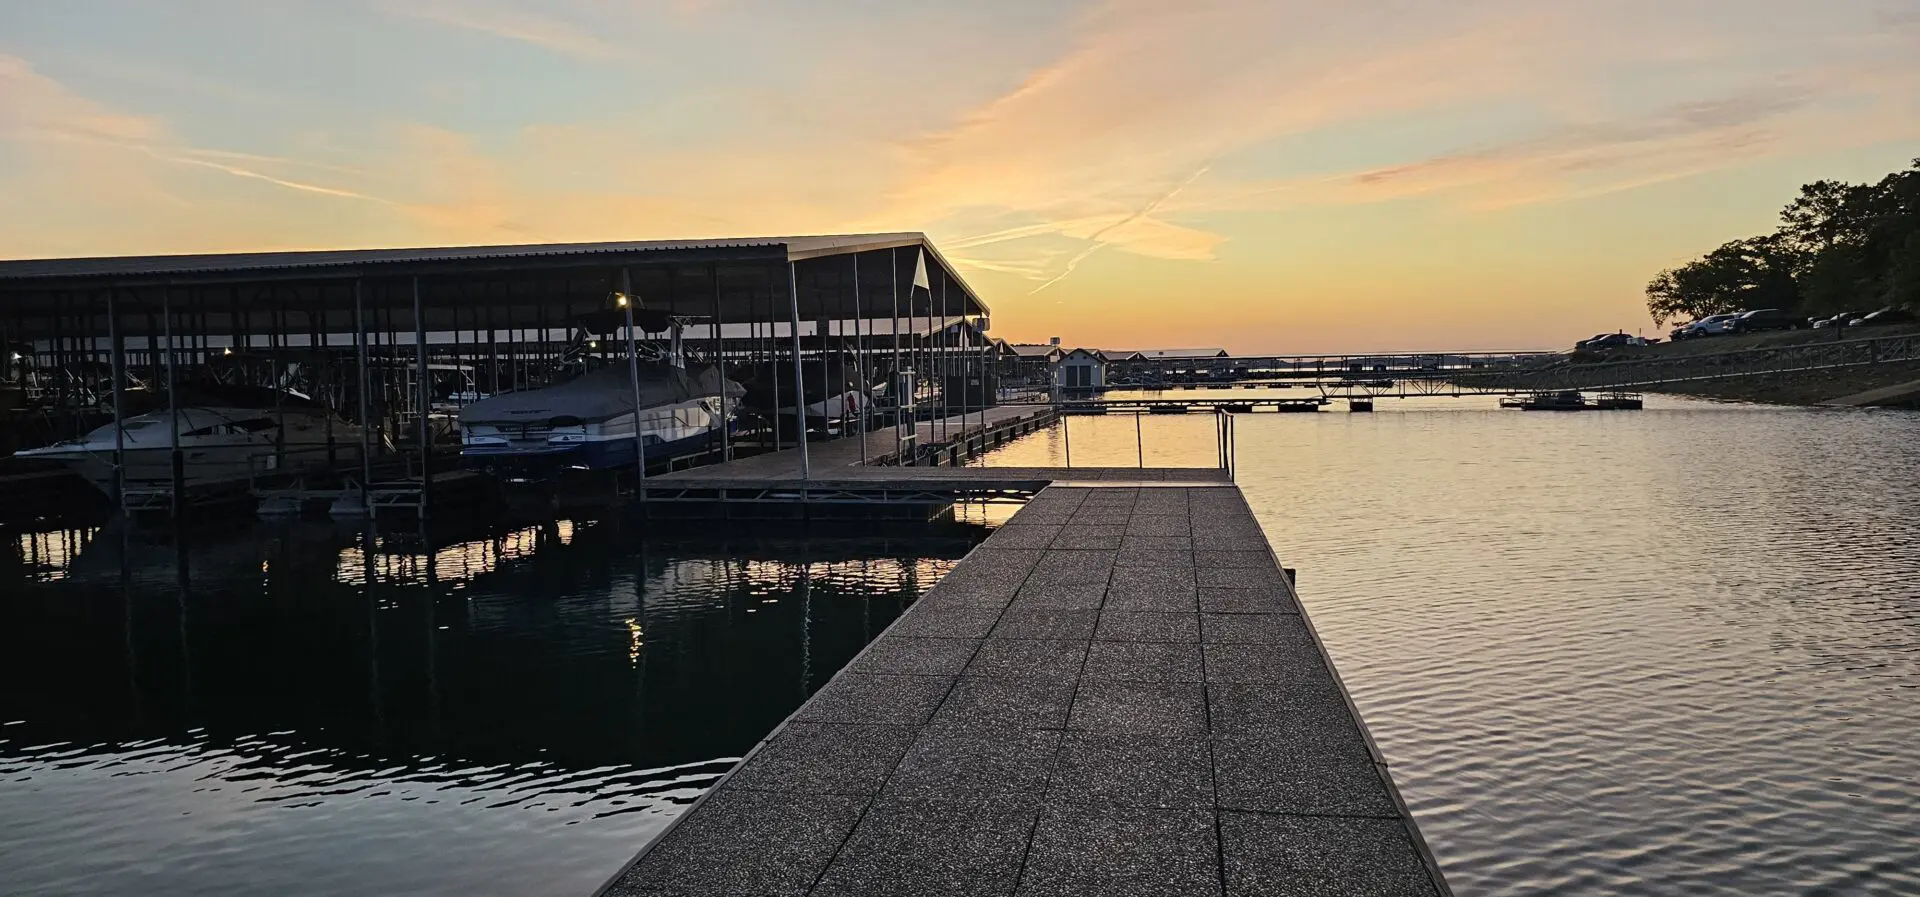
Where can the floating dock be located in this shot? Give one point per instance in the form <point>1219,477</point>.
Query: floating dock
<point>1117,693</point>
<point>845,481</point>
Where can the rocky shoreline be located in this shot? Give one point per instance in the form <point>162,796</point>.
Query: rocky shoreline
<point>1810,387</point>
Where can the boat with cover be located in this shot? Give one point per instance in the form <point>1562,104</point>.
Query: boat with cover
<point>832,391</point>
<point>588,423</point>
<point>225,439</point>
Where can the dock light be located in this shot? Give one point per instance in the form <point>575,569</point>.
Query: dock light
<point>620,300</point>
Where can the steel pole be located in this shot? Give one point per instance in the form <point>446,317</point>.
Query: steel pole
<point>893,387</point>
<point>799,378</point>
<point>366,420</point>
<point>118,345</point>
<point>627,299</point>
<point>860,360</point>
<point>177,462</point>
<point>720,363</point>
<point>425,404</point>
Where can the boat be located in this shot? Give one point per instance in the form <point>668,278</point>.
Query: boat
<point>224,443</point>
<point>1619,401</point>
<point>588,423</point>
<point>833,393</point>
<point>1563,400</point>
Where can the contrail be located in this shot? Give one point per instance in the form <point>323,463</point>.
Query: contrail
<point>1144,211</point>
<point>239,172</point>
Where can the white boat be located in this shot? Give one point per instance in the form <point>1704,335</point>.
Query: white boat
<point>588,423</point>
<point>220,446</point>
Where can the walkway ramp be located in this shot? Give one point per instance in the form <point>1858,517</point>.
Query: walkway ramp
<point>1116,694</point>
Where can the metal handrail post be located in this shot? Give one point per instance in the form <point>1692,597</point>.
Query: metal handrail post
<point>1139,442</point>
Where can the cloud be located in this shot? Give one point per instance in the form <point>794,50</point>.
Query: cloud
<point>510,23</point>
<point>38,108</point>
<point>1572,100</point>
<point>1668,143</point>
<point>85,177</point>
<point>1148,94</point>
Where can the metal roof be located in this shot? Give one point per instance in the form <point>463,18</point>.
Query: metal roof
<point>1154,354</point>
<point>180,265</point>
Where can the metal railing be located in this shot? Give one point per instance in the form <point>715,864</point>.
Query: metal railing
<point>1225,445</point>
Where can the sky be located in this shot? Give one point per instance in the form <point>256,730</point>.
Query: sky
<point>1261,175</point>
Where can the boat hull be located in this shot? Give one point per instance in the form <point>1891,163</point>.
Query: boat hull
<point>201,467</point>
<point>608,454</point>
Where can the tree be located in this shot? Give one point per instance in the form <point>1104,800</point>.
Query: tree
<point>1825,214</point>
<point>1838,279</point>
<point>1839,247</point>
<point>1903,275</point>
<point>1741,275</point>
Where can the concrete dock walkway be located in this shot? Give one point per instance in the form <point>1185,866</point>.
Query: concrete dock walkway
<point>1116,694</point>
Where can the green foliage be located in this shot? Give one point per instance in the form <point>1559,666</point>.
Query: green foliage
<point>1743,274</point>
<point>1839,246</point>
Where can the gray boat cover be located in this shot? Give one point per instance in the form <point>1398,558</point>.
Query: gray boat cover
<point>600,395</point>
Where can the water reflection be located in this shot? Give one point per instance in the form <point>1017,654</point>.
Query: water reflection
<point>311,709</point>
<point>1661,652</point>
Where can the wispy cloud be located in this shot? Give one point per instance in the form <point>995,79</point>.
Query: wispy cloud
<point>512,23</point>
<point>1097,240</point>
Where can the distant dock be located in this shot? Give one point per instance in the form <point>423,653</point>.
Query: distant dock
<point>1117,693</point>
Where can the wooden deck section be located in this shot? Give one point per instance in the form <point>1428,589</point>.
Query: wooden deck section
<point>1117,693</point>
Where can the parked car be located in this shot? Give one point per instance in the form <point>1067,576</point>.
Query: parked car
<point>1767,319</point>
<point>1711,325</point>
<point>1610,341</point>
<point>1840,320</point>
<point>1888,315</point>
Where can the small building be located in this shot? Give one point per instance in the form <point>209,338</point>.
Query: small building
<point>1027,363</point>
<point>1081,370</point>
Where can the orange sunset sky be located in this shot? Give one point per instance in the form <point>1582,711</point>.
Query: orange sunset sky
<point>1265,176</point>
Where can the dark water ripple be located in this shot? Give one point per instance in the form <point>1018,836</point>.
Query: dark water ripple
<point>1672,652</point>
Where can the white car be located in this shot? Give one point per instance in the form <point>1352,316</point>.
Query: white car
<point>1711,325</point>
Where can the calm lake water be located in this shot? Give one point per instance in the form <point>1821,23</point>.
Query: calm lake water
<point>296,710</point>
<point>1674,651</point>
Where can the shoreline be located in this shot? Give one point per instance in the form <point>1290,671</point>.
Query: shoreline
<point>1813,388</point>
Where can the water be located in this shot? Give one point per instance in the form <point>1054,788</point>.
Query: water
<point>293,710</point>
<point>1674,651</point>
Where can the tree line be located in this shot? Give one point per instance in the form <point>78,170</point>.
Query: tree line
<point>1839,247</point>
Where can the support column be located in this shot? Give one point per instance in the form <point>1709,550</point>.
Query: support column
<point>627,299</point>
<point>799,388</point>
<point>118,346</point>
<point>178,461</point>
<point>894,379</point>
<point>860,359</point>
<point>720,364</point>
<point>425,404</point>
<point>362,387</point>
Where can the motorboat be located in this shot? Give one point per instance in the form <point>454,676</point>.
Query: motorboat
<point>1563,400</point>
<point>833,394</point>
<point>222,444</point>
<point>589,422</point>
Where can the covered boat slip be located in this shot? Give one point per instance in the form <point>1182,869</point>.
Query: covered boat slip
<point>479,287</point>
<point>371,332</point>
